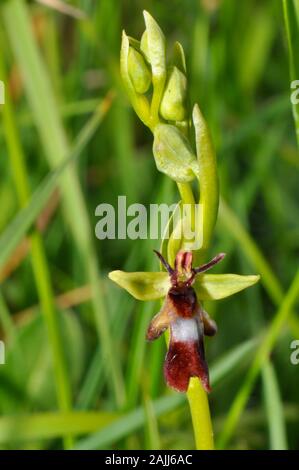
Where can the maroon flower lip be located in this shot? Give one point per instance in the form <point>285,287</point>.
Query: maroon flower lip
<point>184,360</point>
<point>188,324</point>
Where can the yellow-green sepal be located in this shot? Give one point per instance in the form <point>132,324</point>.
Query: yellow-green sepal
<point>219,286</point>
<point>142,285</point>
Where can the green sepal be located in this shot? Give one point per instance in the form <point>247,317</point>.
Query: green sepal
<point>142,285</point>
<point>219,286</point>
<point>155,285</point>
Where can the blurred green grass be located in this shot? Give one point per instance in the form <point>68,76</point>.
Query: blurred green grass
<point>78,373</point>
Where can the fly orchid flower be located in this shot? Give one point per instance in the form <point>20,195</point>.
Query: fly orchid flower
<point>184,289</point>
<point>188,323</point>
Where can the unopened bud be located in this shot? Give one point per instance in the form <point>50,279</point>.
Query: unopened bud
<point>138,71</point>
<point>173,104</point>
<point>153,47</point>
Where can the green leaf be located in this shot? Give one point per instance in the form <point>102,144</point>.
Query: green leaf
<point>274,408</point>
<point>52,425</point>
<point>142,285</point>
<point>173,154</point>
<point>219,286</point>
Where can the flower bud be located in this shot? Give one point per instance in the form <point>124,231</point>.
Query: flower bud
<point>139,101</point>
<point>153,47</point>
<point>173,154</point>
<point>173,104</point>
<point>138,71</point>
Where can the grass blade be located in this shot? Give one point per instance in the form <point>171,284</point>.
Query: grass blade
<point>55,145</point>
<point>274,408</point>
<point>261,355</point>
<point>51,425</point>
<point>291,19</point>
<point>24,220</point>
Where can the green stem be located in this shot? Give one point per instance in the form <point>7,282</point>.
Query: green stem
<point>186,193</point>
<point>201,416</point>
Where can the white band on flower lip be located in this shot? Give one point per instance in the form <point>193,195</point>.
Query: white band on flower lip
<point>185,330</point>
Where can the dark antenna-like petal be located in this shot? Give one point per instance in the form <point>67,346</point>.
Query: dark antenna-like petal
<point>164,262</point>
<point>210,264</point>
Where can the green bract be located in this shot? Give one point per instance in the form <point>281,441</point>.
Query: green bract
<point>173,154</point>
<point>173,104</point>
<point>155,285</point>
<point>208,178</point>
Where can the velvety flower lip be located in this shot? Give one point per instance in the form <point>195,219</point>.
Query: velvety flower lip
<point>183,287</point>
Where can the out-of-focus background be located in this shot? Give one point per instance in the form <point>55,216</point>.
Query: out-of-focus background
<point>78,372</point>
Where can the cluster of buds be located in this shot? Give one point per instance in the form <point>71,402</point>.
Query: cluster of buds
<point>158,93</point>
